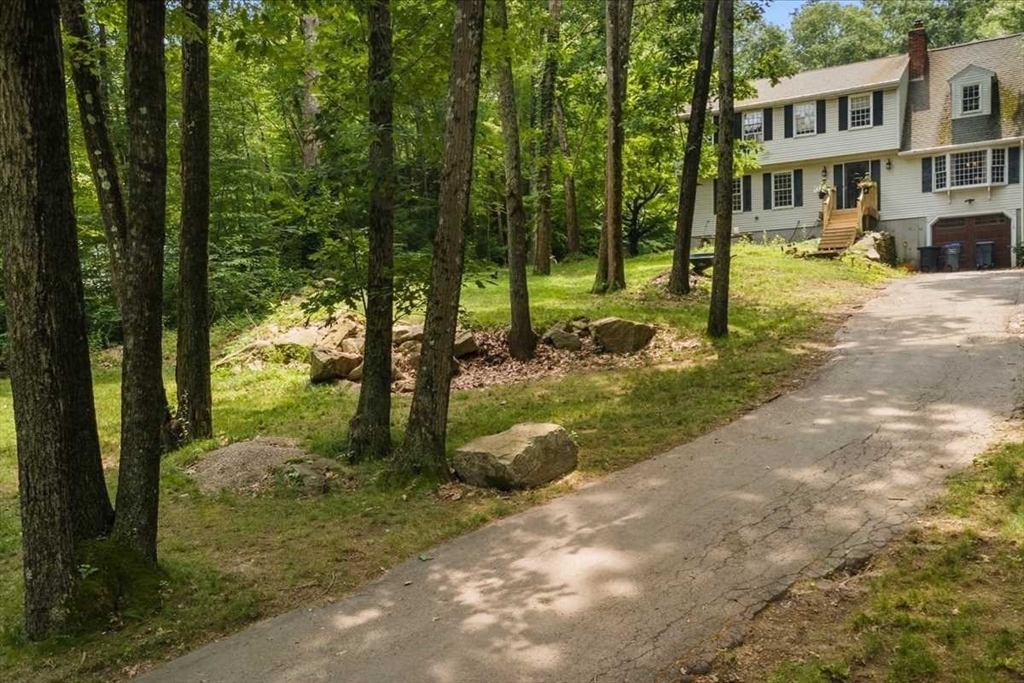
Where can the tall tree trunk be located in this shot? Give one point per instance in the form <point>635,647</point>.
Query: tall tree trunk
<point>572,221</point>
<point>522,342</point>
<point>542,253</point>
<point>51,382</point>
<point>618,21</point>
<point>92,108</point>
<point>310,105</point>
<point>423,450</point>
<point>370,429</point>
<point>679,280</point>
<point>718,314</point>
<point>143,404</point>
<point>192,372</point>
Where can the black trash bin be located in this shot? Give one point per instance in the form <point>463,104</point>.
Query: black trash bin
<point>952,253</point>
<point>929,257</point>
<point>984,255</point>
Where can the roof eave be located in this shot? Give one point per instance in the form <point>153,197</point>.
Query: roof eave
<point>826,94</point>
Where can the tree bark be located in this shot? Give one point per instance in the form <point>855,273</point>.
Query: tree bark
<point>51,383</point>
<point>679,280</point>
<point>618,21</point>
<point>423,450</point>
<point>143,405</point>
<point>192,371</point>
<point>310,105</point>
<point>370,428</point>
<point>718,314</point>
<point>90,94</point>
<point>522,342</point>
<point>572,221</point>
<point>542,253</point>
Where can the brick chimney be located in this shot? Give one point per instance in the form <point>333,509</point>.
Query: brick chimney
<point>917,46</point>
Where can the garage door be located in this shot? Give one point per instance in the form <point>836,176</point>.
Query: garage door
<point>972,229</point>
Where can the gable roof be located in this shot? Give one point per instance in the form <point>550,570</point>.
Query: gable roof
<point>831,81</point>
<point>929,122</point>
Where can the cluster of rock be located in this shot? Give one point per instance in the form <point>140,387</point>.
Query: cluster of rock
<point>614,335</point>
<point>339,353</point>
<point>879,247</point>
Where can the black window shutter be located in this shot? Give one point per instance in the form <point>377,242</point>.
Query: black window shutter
<point>837,180</point>
<point>767,177</point>
<point>876,108</point>
<point>798,187</point>
<point>1013,165</point>
<point>788,124</point>
<point>714,196</point>
<point>746,193</point>
<point>767,114</point>
<point>821,116</point>
<point>876,175</point>
<point>926,174</point>
<point>737,126</point>
<point>844,112</point>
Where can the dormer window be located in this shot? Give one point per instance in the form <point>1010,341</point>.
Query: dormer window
<point>971,92</point>
<point>860,111</point>
<point>970,98</point>
<point>805,116</point>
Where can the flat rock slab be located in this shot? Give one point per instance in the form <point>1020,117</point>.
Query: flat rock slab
<point>675,555</point>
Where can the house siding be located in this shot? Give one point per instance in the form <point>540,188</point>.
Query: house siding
<point>787,222</point>
<point>834,142</point>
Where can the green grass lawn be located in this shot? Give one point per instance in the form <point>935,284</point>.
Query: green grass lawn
<point>231,558</point>
<point>944,604</point>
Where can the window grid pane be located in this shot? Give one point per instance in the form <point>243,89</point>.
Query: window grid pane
<point>971,98</point>
<point>940,173</point>
<point>753,126</point>
<point>805,117</point>
<point>999,166</point>
<point>969,168</point>
<point>737,195</point>
<point>860,111</point>
<point>782,186</point>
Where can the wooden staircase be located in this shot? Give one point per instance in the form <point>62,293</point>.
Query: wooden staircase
<point>840,232</point>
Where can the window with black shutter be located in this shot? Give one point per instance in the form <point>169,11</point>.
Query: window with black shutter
<point>747,204</point>
<point>821,116</point>
<point>926,174</point>
<point>798,187</point>
<point>767,123</point>
<point>876,107</point>
<point>767,200</point>
<point>844,112</point>
<point>1013,165</point>
<point>788,121</point>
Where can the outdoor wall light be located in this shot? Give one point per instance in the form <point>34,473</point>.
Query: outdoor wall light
<point>888,164</point>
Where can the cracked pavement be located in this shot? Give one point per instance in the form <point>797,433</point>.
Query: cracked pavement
<point>672,557</point>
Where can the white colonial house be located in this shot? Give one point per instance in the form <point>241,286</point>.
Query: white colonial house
<point>940,131</point>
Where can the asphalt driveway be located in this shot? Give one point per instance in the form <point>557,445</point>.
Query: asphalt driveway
<point>676,554</point>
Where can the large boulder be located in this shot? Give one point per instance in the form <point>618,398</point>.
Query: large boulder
<point>465,345</point>
<point>405,333</point>
<point>326,364</point>
<point>560,338</point>
<point>292,345</point>
<point>621,336</point>
<point>524,456</point>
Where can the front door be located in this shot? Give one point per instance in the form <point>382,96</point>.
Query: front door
<point>854,173</point>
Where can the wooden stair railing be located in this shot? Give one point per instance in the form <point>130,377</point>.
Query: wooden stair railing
<point>840,227</point>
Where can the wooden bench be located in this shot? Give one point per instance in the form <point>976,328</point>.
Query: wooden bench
<point>701,262</point>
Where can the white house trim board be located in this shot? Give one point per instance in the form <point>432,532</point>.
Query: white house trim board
<point>931,151</point>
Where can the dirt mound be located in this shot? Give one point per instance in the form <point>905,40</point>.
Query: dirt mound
<point>250,466</point>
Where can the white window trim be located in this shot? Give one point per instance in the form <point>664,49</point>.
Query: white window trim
<point>759,136</point>
<point>871,111</point>
<point>814,110</point>
<point>792,190</point>
<point>949,187</point>
<point>737,191</point>
<point>959,102</point>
